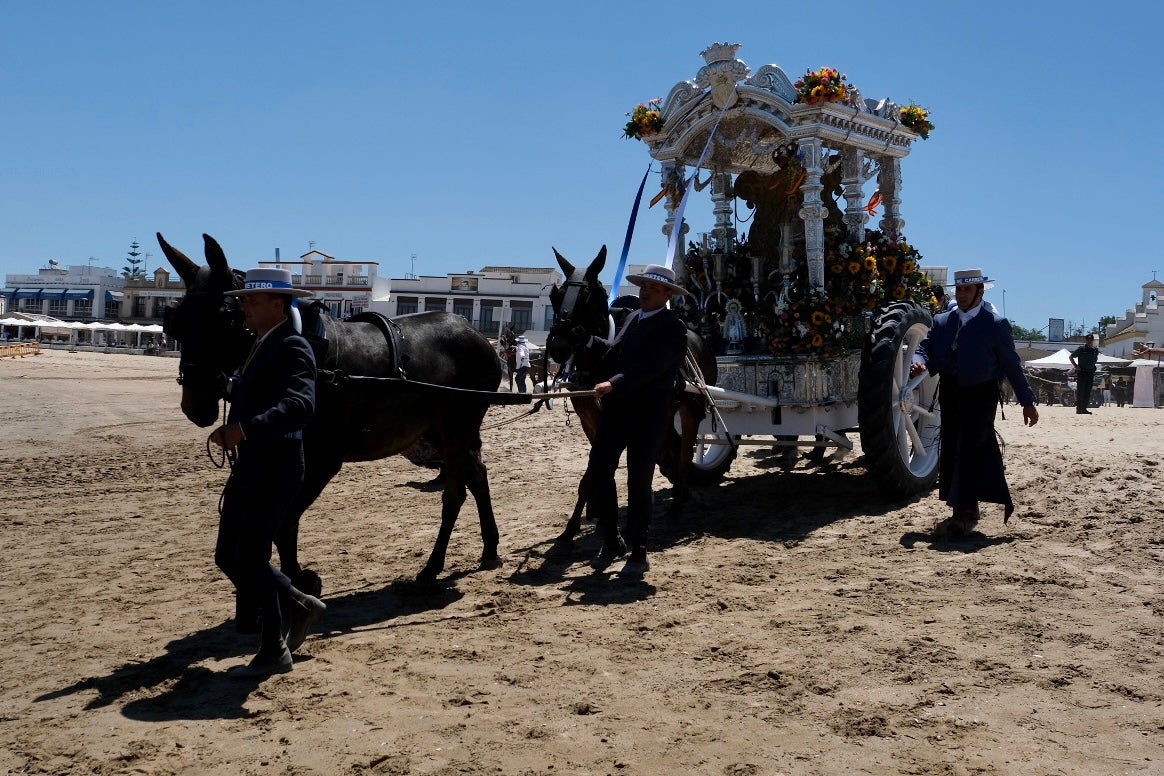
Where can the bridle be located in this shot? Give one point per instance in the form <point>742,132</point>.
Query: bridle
<point>196,370</point>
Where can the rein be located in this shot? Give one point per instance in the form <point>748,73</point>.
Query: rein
<point>538,404</point>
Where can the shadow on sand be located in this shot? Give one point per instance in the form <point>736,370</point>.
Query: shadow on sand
<point>183,690</point>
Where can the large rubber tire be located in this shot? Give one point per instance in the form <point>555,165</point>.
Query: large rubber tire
<point>900,432</point>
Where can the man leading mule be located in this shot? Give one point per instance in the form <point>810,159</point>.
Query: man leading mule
<point>452,373</point>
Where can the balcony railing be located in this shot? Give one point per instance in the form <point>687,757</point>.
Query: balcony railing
<point>361,280</point>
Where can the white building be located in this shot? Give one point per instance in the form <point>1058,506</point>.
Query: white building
<point>79,292</point>
<point>1141,324</point>
<point>517,296</point>
<point>346,287</point>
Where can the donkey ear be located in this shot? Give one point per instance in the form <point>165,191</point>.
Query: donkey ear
<point>216,257</point>
<point>597,265</point>
<point>566,266</point>
<point>182,264</point>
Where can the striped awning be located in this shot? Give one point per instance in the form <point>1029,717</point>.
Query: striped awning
<point>27,293</point>
<point>114,296</point>
<point>79,293</point>
<point>53,294</point>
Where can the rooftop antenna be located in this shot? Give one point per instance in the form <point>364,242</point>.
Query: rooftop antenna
<point>412,274</point>
<point>311,245</point>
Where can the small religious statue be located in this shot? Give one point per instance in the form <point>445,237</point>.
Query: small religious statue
<point>734,330</point>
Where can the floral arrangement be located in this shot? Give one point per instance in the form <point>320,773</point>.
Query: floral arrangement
<point>917,118</point>
<point>859,278</point>
<point>645,120</point>
<point>824,85</point>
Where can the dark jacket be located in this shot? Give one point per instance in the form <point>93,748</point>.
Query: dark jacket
<point>274,397</point>
<point>649,356</point>
<point>985,351</point>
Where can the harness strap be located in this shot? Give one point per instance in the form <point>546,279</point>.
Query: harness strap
<point>392,333</point>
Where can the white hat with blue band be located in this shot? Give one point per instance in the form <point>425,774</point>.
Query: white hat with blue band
<point>269,281</point>
<point>657,273</point>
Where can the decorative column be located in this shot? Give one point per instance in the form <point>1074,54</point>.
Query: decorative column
<point>722,198</point>
<point>813,211</point>
<point>673,177</point>
<point>889,181</point>
<point>855,215</point>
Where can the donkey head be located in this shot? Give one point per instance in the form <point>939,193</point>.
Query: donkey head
<point>209,327</point>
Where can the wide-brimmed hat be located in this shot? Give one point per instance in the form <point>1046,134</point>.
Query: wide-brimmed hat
<point>971,277</point>
<point>269,281</point>
<point>658,274</point>
<point>520,339</point>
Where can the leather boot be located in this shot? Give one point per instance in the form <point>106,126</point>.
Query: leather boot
<point>273,656</point>
<point>300,612</point>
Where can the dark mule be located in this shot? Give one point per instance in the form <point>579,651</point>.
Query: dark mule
<point>355,419</point>
<point>582,301</point>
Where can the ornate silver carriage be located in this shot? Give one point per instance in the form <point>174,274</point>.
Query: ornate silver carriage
<point>815,317</point>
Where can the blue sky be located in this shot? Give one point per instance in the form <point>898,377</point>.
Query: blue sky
<point>469,133</point>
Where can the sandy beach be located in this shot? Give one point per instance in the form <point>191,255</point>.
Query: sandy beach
<point>793,622</point>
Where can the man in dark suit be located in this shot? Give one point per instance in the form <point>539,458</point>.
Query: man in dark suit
<point>272,399</point>
<point>636,411</point>
<point>971,347</point>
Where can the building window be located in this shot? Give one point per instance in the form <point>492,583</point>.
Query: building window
<point>83,307</point>
<point>434,304</point>
<point>139,307</point>
<point>522,315</point>
<point>406,305</point>
<point>490,316</point>
<point>463,308</point>
<point>549,323</point>
<point>58,307</point>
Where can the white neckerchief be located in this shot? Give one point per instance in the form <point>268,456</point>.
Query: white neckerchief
<point>965,317</point>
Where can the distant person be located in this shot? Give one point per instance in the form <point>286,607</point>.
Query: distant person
<point>1084,358</point>
<point>1119,390</point>
<point>521,346</point>
<point>972,349</point>
<point>1107,391</point>
<point>942,300</point>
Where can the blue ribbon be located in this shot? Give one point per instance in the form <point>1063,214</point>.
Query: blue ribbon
<point>630,230</point>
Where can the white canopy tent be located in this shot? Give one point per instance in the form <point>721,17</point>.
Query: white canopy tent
<point>1061,359</point>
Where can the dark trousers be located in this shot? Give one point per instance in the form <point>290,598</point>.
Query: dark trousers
<point>255,502</point>
<point>640,431</point>
<point>1083,388</point>
<point>970,467</point>
<point>522,372</point>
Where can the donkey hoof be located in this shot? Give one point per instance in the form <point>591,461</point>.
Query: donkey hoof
<point>307,581</point>
<point>491,562</point>
<point>427,576</point>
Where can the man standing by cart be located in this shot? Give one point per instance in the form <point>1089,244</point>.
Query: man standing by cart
<point>1084,359</point>
<point>972,349</point>
<point>636,412</point>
